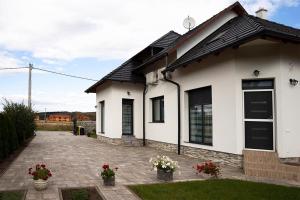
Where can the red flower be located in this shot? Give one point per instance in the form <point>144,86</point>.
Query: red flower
<point>105,166</point>
<point>49,174</point>
<point>43,166</point>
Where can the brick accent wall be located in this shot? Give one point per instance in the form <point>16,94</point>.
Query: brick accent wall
<point>125,140</point>
<point>204,154</point>
<point>268,165</point>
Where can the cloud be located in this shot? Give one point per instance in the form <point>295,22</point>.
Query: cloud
<point>8,60</point>
<point>271,5</point>
<point>115,29</point>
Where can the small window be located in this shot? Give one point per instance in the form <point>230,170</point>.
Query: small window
<point>102,115</point>
<point>158,109</point>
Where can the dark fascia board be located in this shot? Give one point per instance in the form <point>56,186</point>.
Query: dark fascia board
<point>264,33</point>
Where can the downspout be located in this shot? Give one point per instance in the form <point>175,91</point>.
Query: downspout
<point>178,105</point>
<point>144,120</point>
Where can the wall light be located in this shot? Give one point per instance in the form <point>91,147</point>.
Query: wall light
<point>294,82</point>
<point>256,72</point>
<point>128,93</point>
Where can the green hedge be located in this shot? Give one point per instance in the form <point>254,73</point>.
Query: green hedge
<point>16,125</point>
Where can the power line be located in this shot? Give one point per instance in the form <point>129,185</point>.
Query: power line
<point>8,68</point>
<point>49,71</point>
<point>63,74</point>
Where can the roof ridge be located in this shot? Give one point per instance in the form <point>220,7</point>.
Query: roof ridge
<point>165,35</point>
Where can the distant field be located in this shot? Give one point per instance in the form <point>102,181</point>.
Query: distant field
<point>54,126</point>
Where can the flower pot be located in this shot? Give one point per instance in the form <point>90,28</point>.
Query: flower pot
<point>164,175</point>
<point>109,181</point>
<point>208,176</point>
<point>40,184</point>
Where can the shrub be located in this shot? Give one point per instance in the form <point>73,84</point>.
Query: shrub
<point>16,125</point>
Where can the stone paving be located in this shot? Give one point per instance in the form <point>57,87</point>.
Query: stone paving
<point>74,161</point>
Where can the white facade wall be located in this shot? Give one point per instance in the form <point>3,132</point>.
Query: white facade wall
<point>113,95</point>
<point>167,131</point>
<point>225,74</point>
<point>209,29</point>
<point>217,73</point>
<point>289,133</point>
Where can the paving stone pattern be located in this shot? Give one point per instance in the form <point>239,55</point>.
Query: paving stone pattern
<point>74,161</point>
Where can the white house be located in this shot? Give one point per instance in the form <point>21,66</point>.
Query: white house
<point>227,85</point>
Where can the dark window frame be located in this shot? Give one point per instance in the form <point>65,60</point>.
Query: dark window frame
<point>161,109</point>
<point>102,115</point>
<point>132,124</point>
<point>202,118</point>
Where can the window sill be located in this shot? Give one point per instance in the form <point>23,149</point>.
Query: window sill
<point>208,145</point>
<point>157,122</point>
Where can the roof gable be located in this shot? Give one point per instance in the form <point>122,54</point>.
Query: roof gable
<point>182,40</point>
<point>235,32</point>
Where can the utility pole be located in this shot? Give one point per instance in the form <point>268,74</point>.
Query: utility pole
<point>29,85</point>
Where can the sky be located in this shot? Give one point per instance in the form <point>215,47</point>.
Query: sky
<point>91,38</point>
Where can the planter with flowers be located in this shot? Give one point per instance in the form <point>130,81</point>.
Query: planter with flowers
<point>208,168</point>
<point>40,176</point>
<point>108,175</point>
<point>164,167</point>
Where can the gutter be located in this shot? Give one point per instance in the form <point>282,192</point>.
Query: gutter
<point>178,105</point>
<point>144,121</point>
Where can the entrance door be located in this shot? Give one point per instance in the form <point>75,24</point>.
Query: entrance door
<point>258,114</point>
<point>127,116</point>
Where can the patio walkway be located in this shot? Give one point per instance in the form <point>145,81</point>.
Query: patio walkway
<point>74,160</point>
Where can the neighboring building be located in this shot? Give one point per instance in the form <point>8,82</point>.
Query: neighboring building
<point>59,118</point>
<point>226,86</point>
<point>82,117</point>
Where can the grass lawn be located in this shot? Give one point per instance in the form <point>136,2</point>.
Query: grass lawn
<point>222,189</point>
<point>13,195</point>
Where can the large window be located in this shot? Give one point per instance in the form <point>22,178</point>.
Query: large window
<point>200,116</point>
<point>102,115</point>
<point>158,109</point>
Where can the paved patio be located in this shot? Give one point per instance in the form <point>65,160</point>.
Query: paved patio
<point>74,160</point>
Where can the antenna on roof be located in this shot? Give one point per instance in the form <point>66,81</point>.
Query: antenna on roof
<point>189,23</point>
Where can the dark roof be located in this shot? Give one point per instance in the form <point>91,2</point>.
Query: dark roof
<point>124,72</point>
<point>169,42</point>
<point>166,40</point>
<point>235,32</point>
<point>236,7</point>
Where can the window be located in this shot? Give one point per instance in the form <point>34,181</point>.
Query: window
<point>102,115</point>
<point>158,109</point>
<point>200,116</point>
